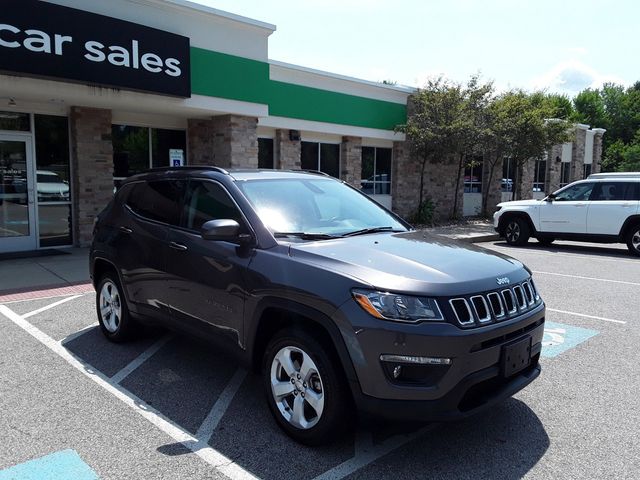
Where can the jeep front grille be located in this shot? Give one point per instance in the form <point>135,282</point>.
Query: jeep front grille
<point>482,309</point>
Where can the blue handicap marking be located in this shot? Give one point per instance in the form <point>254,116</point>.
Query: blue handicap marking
<point>62,465</point>
<point>559,337</point>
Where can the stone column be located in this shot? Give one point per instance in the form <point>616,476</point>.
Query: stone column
<point>577,154</point>
<point>554,169</point>
<point>226,141</point>
<point>92,160</point>
<point>492,189</point>
<point>405,180</point>
<point>596,166</point>
<point>351,160</point>
<point>286,151</point>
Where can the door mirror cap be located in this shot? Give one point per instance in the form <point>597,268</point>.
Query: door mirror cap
<point>222,230</point>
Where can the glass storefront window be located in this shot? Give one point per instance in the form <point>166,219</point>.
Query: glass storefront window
<point>162,141</point>
<point>52,180</point>
<point>265,153</point>
<point>376,171</point>
<point>323,157</point>
<point>15,121</point>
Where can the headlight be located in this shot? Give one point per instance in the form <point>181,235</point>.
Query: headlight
<point>401,308</point>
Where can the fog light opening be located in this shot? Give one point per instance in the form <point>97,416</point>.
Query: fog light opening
<point>414,360</point>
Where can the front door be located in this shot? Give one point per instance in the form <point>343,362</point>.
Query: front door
<point>17,195</point>
<point>567,213</point>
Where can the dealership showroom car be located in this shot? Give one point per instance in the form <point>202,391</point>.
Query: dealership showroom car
<point>338,302</point>
<point>604,208</point>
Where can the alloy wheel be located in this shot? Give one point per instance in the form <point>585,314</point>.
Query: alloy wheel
<point>110,306</point>
<point>512,232</point>
<point>297,387</point>
<point>635,240</point>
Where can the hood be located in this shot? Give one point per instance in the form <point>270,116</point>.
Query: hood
<point>412,262</point>
<point>520,203</point>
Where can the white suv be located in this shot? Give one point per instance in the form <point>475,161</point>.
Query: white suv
<point>603,208</point>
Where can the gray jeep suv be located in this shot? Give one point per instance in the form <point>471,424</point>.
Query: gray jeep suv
<point>334,299</point>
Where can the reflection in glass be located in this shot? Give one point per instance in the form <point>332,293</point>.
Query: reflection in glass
<point>162,141</point>
<point>130,150</point>
<point>55,224</point>
<point>376,171</point>
<point>14,207</point>
<point>15,121</point>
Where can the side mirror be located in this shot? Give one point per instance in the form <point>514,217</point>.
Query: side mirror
<point>551,197</point>
<point>223,229</point>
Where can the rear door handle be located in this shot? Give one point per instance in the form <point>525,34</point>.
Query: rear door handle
<point>125,230</point>
<point>177,246</point>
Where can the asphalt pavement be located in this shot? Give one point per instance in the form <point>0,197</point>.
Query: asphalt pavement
<point>167,406</point>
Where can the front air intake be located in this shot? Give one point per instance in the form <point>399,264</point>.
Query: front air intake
<point>462,311</point>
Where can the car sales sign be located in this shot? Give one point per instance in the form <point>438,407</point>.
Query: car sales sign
<point>40,39</point>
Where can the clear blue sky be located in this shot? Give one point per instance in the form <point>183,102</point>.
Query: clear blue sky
<point>563,46</point>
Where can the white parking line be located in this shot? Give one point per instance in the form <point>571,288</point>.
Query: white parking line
<point>586,316</point>
<point>79,333</point>
<point>210,423</point>
<point>558,253</point>
<point>635,284</point>
<point>140,359</point>
<point>367,453</point>
<point>210,455</point>
<point>55,304</point>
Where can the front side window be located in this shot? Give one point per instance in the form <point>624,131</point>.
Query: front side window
<point>208,201</point>
<point>575,193</point>
<point>614,191</point>
<point>158,200</point>
<point>314,205</point>
<point>323,157</point>
<point>376,171</point>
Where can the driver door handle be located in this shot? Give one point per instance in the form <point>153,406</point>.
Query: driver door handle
<point>178,246</point>
<point>125,230</point>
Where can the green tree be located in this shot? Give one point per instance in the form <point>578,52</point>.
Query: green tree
<point>436,124</point>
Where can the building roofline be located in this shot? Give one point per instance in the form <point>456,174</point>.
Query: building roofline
<point>397,88</point>
<point>199,8</point>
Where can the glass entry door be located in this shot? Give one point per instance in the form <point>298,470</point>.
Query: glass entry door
<point>17,196</point>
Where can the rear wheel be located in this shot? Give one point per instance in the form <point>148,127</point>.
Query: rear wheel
<point>113,314</point>
<point>633,239</point>
<point>516,231</point>
<point>304,388</point>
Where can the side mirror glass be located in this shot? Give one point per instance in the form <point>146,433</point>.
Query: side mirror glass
<point>221,230</point>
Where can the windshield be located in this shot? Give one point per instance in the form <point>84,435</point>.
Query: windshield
<point>314,206</point>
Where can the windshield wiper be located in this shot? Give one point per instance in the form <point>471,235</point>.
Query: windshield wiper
<point>370,230</point>
<point>304,235</point>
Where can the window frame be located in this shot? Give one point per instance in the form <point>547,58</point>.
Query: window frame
<point>469,186</point>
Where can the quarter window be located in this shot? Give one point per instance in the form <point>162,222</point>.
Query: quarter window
<point>158,200</point>
<point>208,201</point>
<point>614,191</point>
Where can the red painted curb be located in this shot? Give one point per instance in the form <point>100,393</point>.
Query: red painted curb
<point>34,293</point>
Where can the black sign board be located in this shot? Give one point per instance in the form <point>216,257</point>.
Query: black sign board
<point>45,40</point>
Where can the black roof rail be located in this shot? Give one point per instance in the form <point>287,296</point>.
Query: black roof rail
<point>190,167</point>
<point>315,172</point>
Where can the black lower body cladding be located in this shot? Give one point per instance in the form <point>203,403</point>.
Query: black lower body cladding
<point>468,370</point>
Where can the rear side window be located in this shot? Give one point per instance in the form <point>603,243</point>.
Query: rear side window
<point>614,191</point>
<point>208,201</point>
<point>158,200</point>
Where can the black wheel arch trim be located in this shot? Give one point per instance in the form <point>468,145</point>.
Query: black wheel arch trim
<point>319,318</point>
<point>629,223</point>
<point>95,280</point>
<point>506,216</point>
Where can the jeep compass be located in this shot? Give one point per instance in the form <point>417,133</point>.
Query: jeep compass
<point>337,302</point>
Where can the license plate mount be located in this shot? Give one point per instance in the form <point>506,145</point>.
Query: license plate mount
<point>516,356</point>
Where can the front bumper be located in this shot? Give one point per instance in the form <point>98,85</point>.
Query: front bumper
<point>472,381</point>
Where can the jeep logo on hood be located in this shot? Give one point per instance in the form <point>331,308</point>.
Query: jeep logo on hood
<point>503,280</point>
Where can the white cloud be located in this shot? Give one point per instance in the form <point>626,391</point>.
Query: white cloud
<point>572,76</point>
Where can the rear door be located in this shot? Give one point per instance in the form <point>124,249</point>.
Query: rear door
<point>612,202</point>
<point>567,213</point>
<point>141,243</point>
<point>206,278</point>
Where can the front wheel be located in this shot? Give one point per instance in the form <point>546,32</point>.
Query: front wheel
<point>305,391</point>
<point>516,231</point>
<point>113,314</point>
<point>633,240</point>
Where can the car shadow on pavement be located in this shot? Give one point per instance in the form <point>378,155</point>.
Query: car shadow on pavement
<point>184,378</point>
<point>603,250</point>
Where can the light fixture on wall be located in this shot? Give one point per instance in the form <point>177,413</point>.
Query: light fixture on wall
<point>11,102</point>
<point>558,159</point>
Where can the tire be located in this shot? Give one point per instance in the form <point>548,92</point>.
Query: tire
<point>633,239</point>
<point>546,241</point>
<point>113,314</point>
<point>289,354</point>
<point>516,231</point>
